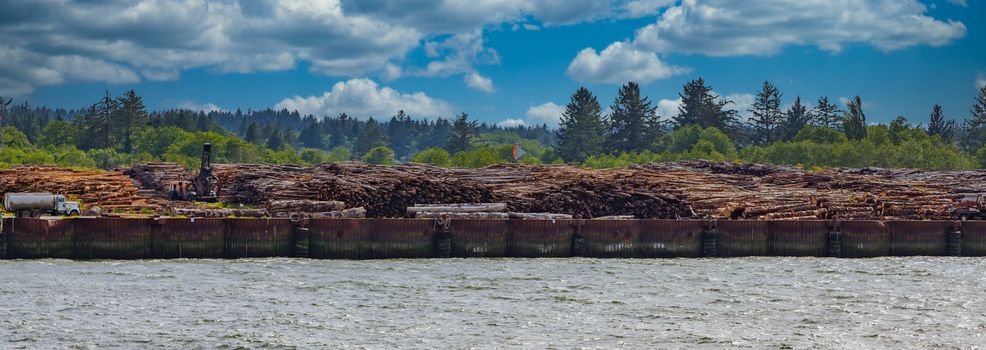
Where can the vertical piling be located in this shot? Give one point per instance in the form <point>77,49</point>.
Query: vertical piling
<point>834,242</point>
<point>578,240</point>
<point>299,239</point>
<point>443,238</point>
<point>954,243</point>
<point>3,237</point>
<point>710,235</point>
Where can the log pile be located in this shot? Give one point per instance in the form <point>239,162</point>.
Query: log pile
<point>108,190</point>
<point>158,176</point>
<point>219,212</point>
<point>477,211</point>
<point>692,189</point>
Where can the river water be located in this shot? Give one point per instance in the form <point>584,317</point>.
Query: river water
<point>891,303</point>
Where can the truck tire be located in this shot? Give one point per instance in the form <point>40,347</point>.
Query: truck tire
<point>36,214</point>
<point>73,213</point>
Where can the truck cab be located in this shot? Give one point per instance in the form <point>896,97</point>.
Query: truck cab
<point>63,206</point>
<point>971,206</point>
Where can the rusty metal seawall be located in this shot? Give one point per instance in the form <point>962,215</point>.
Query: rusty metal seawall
<point>112,238</point>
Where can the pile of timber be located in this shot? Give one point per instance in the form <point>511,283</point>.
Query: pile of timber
<point>109,190</point>
<point>476,211</point>
<point>219,212</point>
<point>158,176</point>
<point>690,189</point>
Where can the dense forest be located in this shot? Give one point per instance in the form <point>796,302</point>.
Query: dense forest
<point>119,130</point>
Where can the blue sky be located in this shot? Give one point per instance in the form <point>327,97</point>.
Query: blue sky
<point>500,61</point>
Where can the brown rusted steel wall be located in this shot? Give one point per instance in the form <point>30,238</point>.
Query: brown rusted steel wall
<point>480,238</point>
<point>741,238</point>
<point>339,238</point>
<point>189,238</point>
<point>258,238</point>
<point>542,238</point>
<point>111,238</point>
<point>797,238</point>
<point>973,238</point>
<point>402,238</point>
<point>38,239</point>
<point>918,237</point>
<point>670,238</point>
<point>611,238</point>
<point>861,239</point>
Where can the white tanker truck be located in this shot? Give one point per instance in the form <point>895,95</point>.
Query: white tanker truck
<point>36,204</point>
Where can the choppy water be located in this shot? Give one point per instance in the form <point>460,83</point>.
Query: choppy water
<point>540,303</point>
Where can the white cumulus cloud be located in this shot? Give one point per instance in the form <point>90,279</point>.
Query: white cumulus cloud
<point>511,123</point>
<point>668,108</point>
<point>478,82</point>
<point>206,107</point>
<point>618,63</point>
<point>363,98</point>
<point>545,113</point>
<point>980,80</point>
<point>729,28</point>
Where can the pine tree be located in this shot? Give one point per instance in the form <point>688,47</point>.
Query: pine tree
<point>311,135</point>
<point>700,106</point>
<point>633,123</point>
<point>937,125</point>
<point>130,119</point>
<point>826,115</point>
<point>767,117</point>
<point>276,140</point>
<point>796,118</point>
<point>461,135</point>
<point>401,133</point>
<point>854,124</point>
<point>3,113</point>
<point>371,135</point>
<point>581,132</point>
<point>253,134</point>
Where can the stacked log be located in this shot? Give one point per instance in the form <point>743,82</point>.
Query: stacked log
<point>220,212</point>
<point>158,176</point>
<point>692,189</point>
<point>109,190</point>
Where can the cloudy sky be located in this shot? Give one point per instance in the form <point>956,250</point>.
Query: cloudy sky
<point>502,61</point>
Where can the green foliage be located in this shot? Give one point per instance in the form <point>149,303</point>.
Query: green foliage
<point>380,155</point>
<point>819,134</point>
<point>854,124</point>
<point>478,157</point>
<point>314,156</point>
<point>633,123</point>
<point>581,132</point>
<point>462,134</point>
<point>433,156</point>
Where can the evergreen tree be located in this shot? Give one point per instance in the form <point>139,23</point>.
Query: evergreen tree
<point>700,106</point>
<point>898,127</point>
<point>767,117</point>
<point>937,125</point>
<point>276,140</point>
<point>633,124</point>
<point>371,136</point>
<point>130,119</point>
<point>854,124</point>
<point>461,134</point>
<point>3,113</point>
<point>581,132</point>
<point>826,115</point>
<point>253,134</point>
<point>401,133</point>
<point>99,124</point>
<point>796,118</point>
<point>974,128</point>
<point>311,136</point>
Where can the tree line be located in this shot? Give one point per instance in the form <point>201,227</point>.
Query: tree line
<point>119,130</point>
